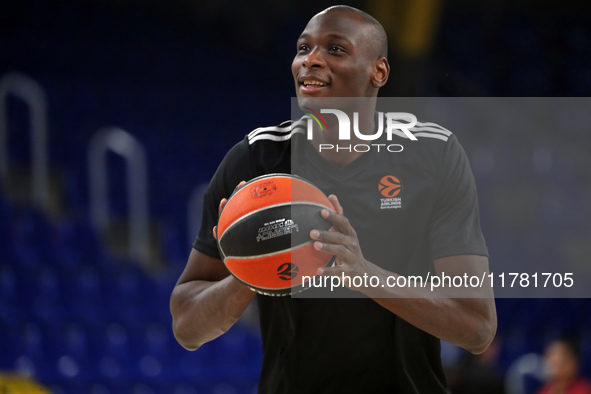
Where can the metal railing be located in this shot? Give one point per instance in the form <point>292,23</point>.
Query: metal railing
<point>530,364</point>
<point>33,95</point>
<point>118,141</point>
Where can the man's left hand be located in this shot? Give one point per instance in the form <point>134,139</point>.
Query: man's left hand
<point>342,243</point>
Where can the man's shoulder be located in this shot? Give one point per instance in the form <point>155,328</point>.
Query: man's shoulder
<point>270,146</point>
<point>423,134</point>
<point>429,131</point>
<point>423,145</point>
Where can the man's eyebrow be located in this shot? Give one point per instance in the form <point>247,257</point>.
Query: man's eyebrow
<point>332,35</point>
<point>339,37</point>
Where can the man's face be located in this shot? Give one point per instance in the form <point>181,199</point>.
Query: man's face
<point>333,57</point>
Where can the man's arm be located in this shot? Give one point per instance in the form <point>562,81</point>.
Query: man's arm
<point>468,321</point>
<point>206,301</point>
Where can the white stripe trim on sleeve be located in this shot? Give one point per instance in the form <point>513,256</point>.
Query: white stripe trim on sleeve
<point>431,129</point>
<point>272,137</point>
<point>429,135</point>
<point>261,130</point>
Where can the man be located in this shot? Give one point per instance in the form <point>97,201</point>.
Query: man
<point>387,340</point>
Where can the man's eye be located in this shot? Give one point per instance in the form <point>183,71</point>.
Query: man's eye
<point>303,47</point>
<point>335,48</point>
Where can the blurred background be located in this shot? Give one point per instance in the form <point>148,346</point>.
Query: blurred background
<point>115,114</point>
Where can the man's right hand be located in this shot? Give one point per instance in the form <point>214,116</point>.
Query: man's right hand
<point>223,204</point>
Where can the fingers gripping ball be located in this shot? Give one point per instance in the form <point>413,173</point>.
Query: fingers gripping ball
<point>264,233</point>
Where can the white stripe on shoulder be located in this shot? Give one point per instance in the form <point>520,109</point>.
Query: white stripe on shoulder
<point>276,133</point>
<point>431,129</point>
<point>276,129</point>
<point>433,125</point>
<point>273,137</point>
<point>430,135</point>
<point>425,129</point>
<point>441,137</point>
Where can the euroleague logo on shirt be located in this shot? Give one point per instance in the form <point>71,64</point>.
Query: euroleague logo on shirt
<point>390,187</point>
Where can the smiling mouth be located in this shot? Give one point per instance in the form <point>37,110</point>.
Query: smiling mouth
<point>313,84</point>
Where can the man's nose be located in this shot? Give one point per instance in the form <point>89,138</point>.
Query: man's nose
<point>314,59</point>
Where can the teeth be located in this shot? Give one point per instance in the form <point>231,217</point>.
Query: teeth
<point>314,83</point>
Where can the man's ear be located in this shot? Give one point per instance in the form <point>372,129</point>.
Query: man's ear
<point>381,72</point>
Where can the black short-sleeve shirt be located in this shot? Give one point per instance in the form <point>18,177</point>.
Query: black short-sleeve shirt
<point>408,208</point>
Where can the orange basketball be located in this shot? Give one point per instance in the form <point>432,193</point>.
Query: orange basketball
<point>264,233</point>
